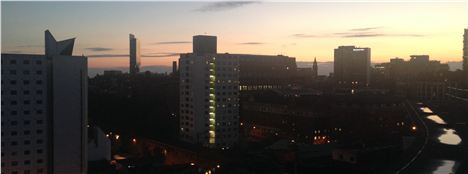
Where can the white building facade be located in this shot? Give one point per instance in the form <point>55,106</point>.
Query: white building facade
<point>209,99</point>
<point>44,109</point>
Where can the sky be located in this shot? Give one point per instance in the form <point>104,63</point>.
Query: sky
<point>391,28</point>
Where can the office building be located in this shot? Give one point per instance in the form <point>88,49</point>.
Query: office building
<point>44,109</point>
<point>352,65</point>
<point>259,72</point>
<point>209,90</point>
<point>417,67</point>
<point>134,55</point>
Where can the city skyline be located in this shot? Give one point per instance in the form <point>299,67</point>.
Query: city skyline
<point>391,29</point>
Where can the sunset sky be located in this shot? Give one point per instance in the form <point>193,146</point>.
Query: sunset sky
<point>303,30</point>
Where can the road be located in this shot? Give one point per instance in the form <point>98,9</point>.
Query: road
<point>442,151</point>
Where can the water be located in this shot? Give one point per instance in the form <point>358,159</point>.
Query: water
<point>445,167</point>
<point>436,119</point>
<point>449,136</point>
<point>426,110</point>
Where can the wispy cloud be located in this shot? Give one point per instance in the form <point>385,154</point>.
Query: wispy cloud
<point>302,35</point>
<point>365,28</point>
<point>171,42</point>
<point>359,33</point>
<point>29,46</point>
<point>97,49</point>
<point>224,5</point>
<point>107,55</point>
<point>149,55</point>
<point>161,55</point>
<point>252,43</point>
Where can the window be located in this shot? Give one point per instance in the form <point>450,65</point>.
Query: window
<point>13,92</point>
<point>39,141</point>
<point>13,72</point>
<point>12,82</point>
<point>26,82</point>
<point>39,72</point>
<point>26,122</point>
<point>38,62</point>
<point>39,131</point>
<point>26,62</point>
<point>39,92</point>
<point>26,92</point>
<point>39,121</point>
<point>39,151</point>
<point>26,72</point>
<point>38,82</point>
<point>26,102</point>
<point>39,161</point>
<point>13,62</point>
<point>27,152</point>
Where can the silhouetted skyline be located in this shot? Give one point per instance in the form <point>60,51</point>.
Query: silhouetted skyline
<point>391,29</point>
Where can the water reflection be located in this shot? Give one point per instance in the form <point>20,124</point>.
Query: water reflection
<point>436,119</point>
<point>426,110</point>
<point>446,167</point>
<point>449,136</point>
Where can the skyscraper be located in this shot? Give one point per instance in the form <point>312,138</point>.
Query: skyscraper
<point>352,65</point>
<point>465,52</point>
<point>209,90</point>
<point>315,68</point>
<point>174,67</point>
<point>44,108</point>
<point>134,55</point>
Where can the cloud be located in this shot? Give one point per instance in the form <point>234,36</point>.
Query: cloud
<point>357,35</point>
<point>149,55</point>
<point>224,5</point>
<point>106,55</point>
<point>161,55</point>
<point>99,49</point>
<point>29,46</point>
<point>301,35</point>
<point>172,42</point>
<point>365,29</point>
<point>252,43</point>
<point>371,34</point>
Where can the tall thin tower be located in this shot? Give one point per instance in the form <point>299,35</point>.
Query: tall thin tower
<point>315,68</point>
<point>465,52</point>
<point>134,55</point>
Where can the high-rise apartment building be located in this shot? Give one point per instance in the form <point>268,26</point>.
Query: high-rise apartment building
<point>352,65</point>
<point>134,55</point>
<point>209,96</point>
<point>44,108</point>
